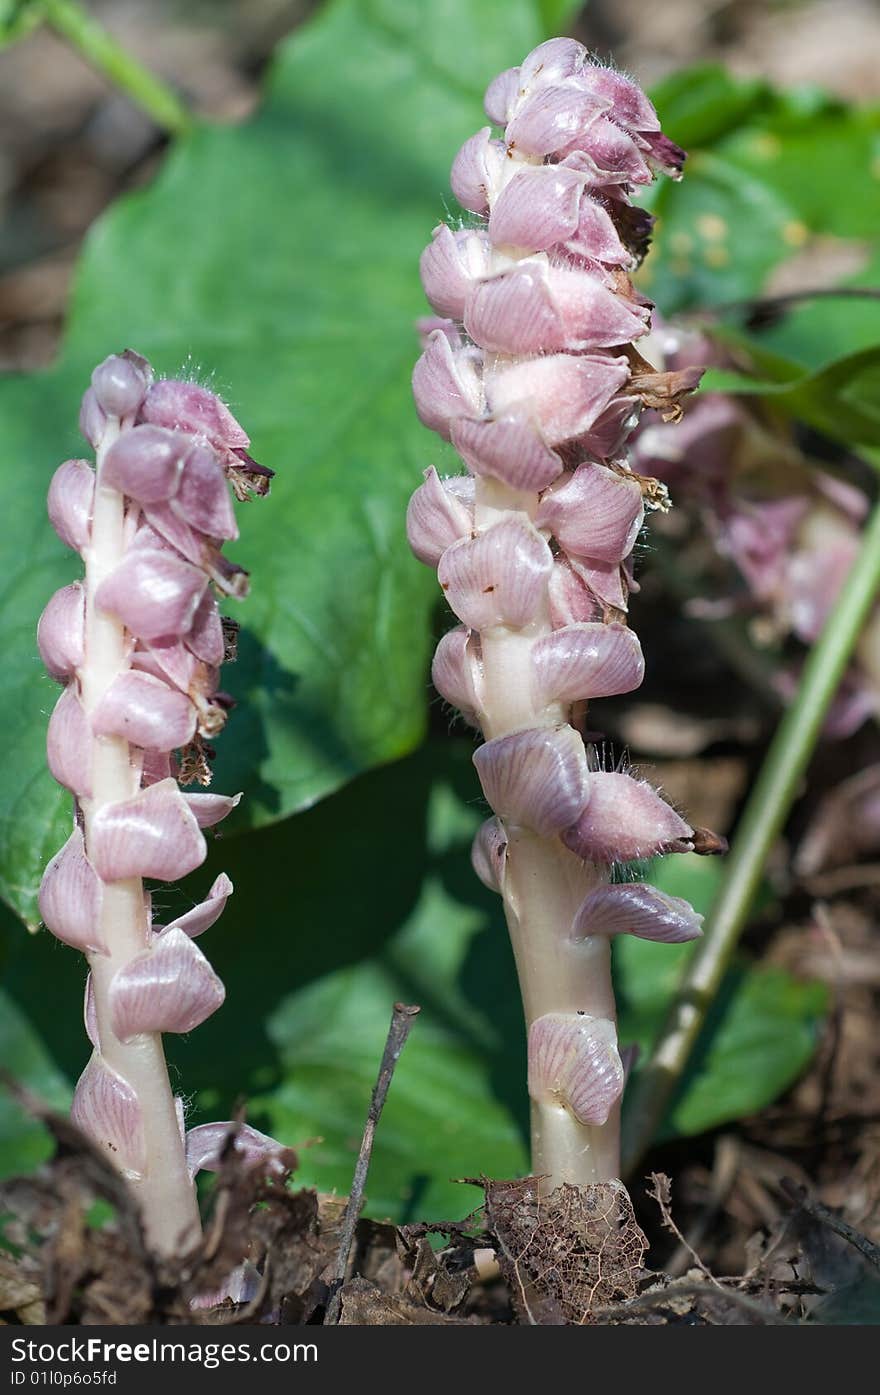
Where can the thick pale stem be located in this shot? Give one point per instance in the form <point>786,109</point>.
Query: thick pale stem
<point>544,886</point>
<point>165,1190</point>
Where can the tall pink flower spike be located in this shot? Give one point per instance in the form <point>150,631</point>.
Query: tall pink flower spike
<point>138,645</point>
<point>532,374</point>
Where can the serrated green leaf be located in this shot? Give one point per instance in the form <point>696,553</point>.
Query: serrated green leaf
<point>280,257</point>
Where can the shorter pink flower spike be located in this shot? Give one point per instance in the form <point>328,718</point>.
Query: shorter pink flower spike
<point>498,578</point>
<point>632,908</point>
<point>625,820</point>
<point>106,1108</point>
<point>489,854</point>
<point>586,661</point>
<point>169,987</point>
<point>70,502</point>
<point>536,778</point>
<point>206,1145</point>
<point>61,631</point>
<point>456,672</point>
<point>435,519</point>
<point>71,896</point>
<point>574,1062</point>
<point>155,834</point>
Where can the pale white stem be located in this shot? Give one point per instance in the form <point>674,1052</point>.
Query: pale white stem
<point>544,886</point>
<point>165,1191</point>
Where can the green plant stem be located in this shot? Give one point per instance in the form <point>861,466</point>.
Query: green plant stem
<point>100,49</point>
<point>761,823</point>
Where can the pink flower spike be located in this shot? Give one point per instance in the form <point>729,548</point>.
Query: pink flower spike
<point>457,673</point>
<point>633,908</point>
<point>476,171</point>
<point>446,384</point>
<point>435,519</point>
<point>193,409</point>
<point>169,987</point>
<point>536,778</point>
<point>153,593</point>
<point>626,819</point>
<point>209,809</point>
<point>595,513</point>
<point>106,1108</point>
<point>155,834</point>
<point>145,463</point>
<point>574,1062</point>
<point>203,916</point>
<point>499,577</point>
<point>61,631</point>
<point>203,495</point>
<point>586,661</point>
<point>450,264</point>
<point>71,896</point>
<point>207,1143</point>
<point>146,712</point>
<point>536,307</point>
<point>489,854</point>
<point>120,383</point>
<point>69,744</point>
<point>70,502</point>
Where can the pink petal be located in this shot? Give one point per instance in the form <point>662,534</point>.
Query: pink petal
<point>501,96</point>
<point>435,519</point>
<point>586,661</point>
<point>610,430</point>
<point>536,308</point>
<point>146,712</point>
<point>155,834</point>
<point>499,577</point>
<point>457,672</point>
<point>207,1143</point>
<point>168,658</point>
<point>604,579</point>
<point>553,120</point>
<point>203,496</point>
<point>663,154</point>
<point>595,513</point>
<point>536,778</point>
<point>571,602</point>
<point>476,171</point>
<point>188,407</point>
<point>632,908</point>
<point>92,419</point>
<point>565,394</point>
<point>508,447</point>
<point>597,238</point>
<point>209,809</point>
<point>69,744</point>
<point>203,916</point>
<point>538,208</point>
<point>611,155</point>
<point>120,383</point>
<point>449,265</point>
<point>489,854</point>
<point>174,530</point>
<point>629,105</point>
<point>153,593</point>
<point>626,819</point>
<point>70,898</point>
<point>106,1108</point>
<point>70,502</point>
<point>574,1061</point>
<point>551,62</point>
<point>205,637</point>
<point>445,384</point>
<point>61,631</point>
<point>169,987</point>
<point>145,463</point>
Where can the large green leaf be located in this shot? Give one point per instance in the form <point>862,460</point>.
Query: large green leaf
<point>771,176</point>
<point>367,899</point>
<point>280,259</point>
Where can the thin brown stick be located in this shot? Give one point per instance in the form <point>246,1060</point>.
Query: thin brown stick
<point>401,1021</point>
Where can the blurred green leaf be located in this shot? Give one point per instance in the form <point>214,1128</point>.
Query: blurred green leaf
<point>18,18</point>
<point>760,1033</point>
<point>773,180</point>
<point>279,257</point>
